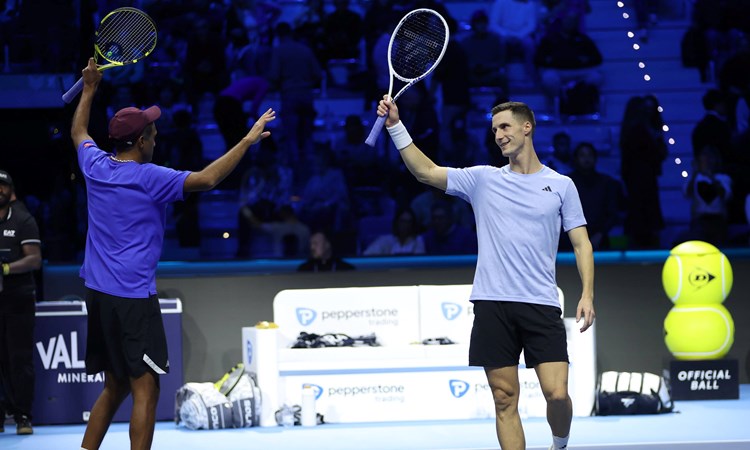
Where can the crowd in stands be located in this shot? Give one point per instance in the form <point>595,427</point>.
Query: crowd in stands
<point>298,190</point>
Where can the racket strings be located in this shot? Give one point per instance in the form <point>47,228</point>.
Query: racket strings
<point>418,45</point>
<point>126,36</point>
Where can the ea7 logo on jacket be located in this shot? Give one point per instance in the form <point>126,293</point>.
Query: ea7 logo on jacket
<point>9,233</point>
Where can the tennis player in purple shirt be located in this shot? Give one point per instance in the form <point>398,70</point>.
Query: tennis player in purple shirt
<point>127,199</point>
<point>519,210</point>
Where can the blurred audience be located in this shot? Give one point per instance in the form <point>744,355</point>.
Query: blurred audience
<point>709,191</point>
<point>446,237</point>
<point>601,196</point>
<point>404,238</point>
<point>642,152</point>
<point>567,55</point>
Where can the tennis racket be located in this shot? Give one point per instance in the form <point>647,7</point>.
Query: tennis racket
<point>125,36</point>
<point>417,45</point>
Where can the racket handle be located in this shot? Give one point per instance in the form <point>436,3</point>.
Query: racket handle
<point>73,91</point>
<point>377,127</point>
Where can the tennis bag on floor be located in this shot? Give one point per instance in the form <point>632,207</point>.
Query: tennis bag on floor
<point>231,402</point>
<point>625,393</point>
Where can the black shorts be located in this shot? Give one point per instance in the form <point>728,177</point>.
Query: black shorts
<point>502,329</point>
<point>125,336</point>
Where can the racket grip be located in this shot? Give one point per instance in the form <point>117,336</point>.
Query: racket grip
<point>377,127</point>
<point>73,91</point>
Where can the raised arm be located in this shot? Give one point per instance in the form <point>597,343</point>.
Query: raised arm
<point>215,172</point>
<point>79,128</point>
<point>417,162</point>
<point>579,237</point>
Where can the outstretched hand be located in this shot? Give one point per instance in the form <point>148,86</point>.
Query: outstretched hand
<point>586,312</point>
<point>257,132</point>
<point>387,107</point>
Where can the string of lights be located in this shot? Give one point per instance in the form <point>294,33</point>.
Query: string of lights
<point>647,77</point>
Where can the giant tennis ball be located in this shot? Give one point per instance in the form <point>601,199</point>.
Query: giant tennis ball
<point>698,332</point>
<point>696,272</point>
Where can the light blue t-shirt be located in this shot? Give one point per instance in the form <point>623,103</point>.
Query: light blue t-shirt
<point>127,210</point>
<point>518,219</point>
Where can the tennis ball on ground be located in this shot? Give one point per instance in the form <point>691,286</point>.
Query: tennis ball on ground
<point>696,272</point>
<point>699,332</point>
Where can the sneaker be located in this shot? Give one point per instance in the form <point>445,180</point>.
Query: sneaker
<point>23,426</point>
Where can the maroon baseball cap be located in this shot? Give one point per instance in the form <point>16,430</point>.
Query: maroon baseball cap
<point>128,123</point>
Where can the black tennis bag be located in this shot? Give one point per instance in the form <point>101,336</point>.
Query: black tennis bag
<point>627,393</point>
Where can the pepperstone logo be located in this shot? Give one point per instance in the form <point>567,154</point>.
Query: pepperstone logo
<point>458,388</point>
<point>451,310</point>
<point>306,316</point>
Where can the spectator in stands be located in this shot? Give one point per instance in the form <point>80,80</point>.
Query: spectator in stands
<point>184,151</point>
<point>361,164</point>
<point>343,32</point>
<point>566,56</point>
<point>714,128</point>
<point>422,205</point>
<point>295,73</point>
<point>516,22</point>
<point>205,64</point>
<point>709,191</point>
<point>422,119</point>
<point>554,11</point>
<point>445,236</point>
<point>283,236</point>
<point>452,80</point>
<point>404,238</point>
<point>322,256</point>
<point>642,154</point>
<point>324,200</point>
<point>562,152</point>
<point>379,13</point>
<point>645,16</point>
<point>601,196</point>
<point>309,28</point>
<point>256,18</point>
<point>485,54</point>
<point>229,111</point>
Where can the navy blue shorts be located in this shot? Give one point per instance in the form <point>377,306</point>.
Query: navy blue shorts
<point>125,336</point>
<point>502,329</point>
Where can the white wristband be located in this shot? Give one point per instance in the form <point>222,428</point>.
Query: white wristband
<point>399,135</point>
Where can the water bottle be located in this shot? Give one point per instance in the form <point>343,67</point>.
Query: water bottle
<point>309,418</point>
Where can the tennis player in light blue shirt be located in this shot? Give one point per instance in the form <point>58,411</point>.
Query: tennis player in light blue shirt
<point>519,210</point>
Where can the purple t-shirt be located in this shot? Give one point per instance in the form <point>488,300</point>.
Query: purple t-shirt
<point>127,209</point>
<point>518,219</point>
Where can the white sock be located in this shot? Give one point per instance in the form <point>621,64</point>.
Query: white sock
<point>560,443</point>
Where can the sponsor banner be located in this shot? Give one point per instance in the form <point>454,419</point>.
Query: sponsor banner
<point>389,312</point>
<point>705,380</point>
<point>445,311</point>
<point>63,393</point>
<point>409,395</point>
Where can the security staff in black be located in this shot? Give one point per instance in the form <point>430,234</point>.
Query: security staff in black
<point>20,255</point>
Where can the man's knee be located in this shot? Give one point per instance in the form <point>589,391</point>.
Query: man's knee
<point>557,396</point>
<point>504,397</point>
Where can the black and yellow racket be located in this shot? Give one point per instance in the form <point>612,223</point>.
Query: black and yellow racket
<point>125,36</point>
